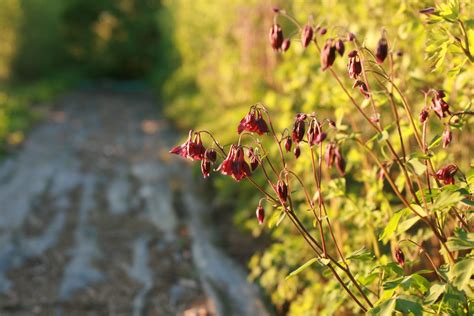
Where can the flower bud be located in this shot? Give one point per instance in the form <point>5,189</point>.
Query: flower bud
<point>423,115</point>
<point>297,151</point>
<point>351,37</point>
<point>328,55</point>
<point>362,88</point>
<point>285,45</point>
<point>306,35</point>
<point>382,50</point>
<point>288,144</point>
<point>399,256</point>
<point>447,136</point>
<point>322,31</point>
<point>253,159</point>
<point>340,48</point>
<point>260,212</point>
<point>276,36</point>
<point>282,190</point>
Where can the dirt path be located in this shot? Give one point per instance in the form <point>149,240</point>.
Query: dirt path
<point>96,219</point>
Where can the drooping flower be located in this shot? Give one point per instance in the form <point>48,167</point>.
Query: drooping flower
<point>354,66</point>
<point>288,144</point>
<point>362,88</point>
<point>350,37</point>
<point>447,136</point>
<point>297,151</point>
<point>328,55</point>
<point>260,213</point>
<point>329,154</point>
<point>210,155</point>
<point>315,134</point>
<point>253,122</point>
<point>446,174</point>
<point>399,256</point>
<point>282,190</point>
<point>276,36</point>
<point>205,168</point>
<point>439,106</point>
<point>423,115</point>
<point>297,133</point>
<point>285,45</point>
<point>340,48</point>
<point>340,162</point>
<point>192,148</point>
<point>234,164</point>
<point>382,50</point>
<point>306,35</point>
<point>253,159</point>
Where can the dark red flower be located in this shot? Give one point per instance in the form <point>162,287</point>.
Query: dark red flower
<point>328,55</point>
<point>351,37</point>
<point>446,174</point>
<point>285,45</point>
<point>192,148</point>
<point>362,88</point>
<point>439,106</point>
<point>306,35</point>
<point>253,159</point>
<point>423,115</point>
<point>340,48</point>
<point>253,122</point>
<point>447,136</point>
<point>288,144</point>
<point>315,135</point>
<point>234,164</point>
<point>354,66</point>
<point>399,256</point>
<point>282,190</point>
<point>276,36</point>
<point>340,162</point>
<point>382,50</point>
<point>297,151</point>
<point>260,212</point>
<point>211,155</point>
<point>297,133</point>
<point>329,154</point>
<point>205,167</point>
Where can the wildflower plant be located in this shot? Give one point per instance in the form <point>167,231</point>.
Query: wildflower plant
<point>434,200</point>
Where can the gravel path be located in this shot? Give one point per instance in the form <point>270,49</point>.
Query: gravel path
<point>94,219</point>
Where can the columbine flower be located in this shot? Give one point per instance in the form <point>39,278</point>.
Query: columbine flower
<point>253,159</point>
<point>288,144</point>
<point>306,35</point>
<point>423,115</point>
<point>382,50</point>
<point>234,164</point>
<point>285,45</point>
<point>362,88</point>
<point>328,55</point>
<point>297,133</point>
<point>329,154</point>
<point>297,151</point>
<point>253,122</point>
<point>211,155</point>
<point>260,212</point>
<point>340,48</point>
<point>192,148</point>
<point>205,168</point>
<point>340,162</point>
<point>399,256</point>
<point>276,36</point>
<point>447,136</point>
<point>354,66</point>
<point>439,106</point>
<point>446,174</point>
<point>315,135</point>
<point>282,190</point>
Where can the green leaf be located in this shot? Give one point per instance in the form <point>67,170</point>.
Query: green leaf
<point>435,142</point>
<point>461,240</point>
<point>407,224</point>
<point>446,200</point>
<point>417,166</point>
<point>462,272</point>
<point>407,307</point>
<point>436,290</point>
<point>361,254</point>
<point>302,268</point>
<point>384,308</point>
<point>392,225</point>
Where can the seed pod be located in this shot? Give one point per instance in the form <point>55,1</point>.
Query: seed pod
<point>288,144</point>
<point>328,55</point>
<point>382,50</point>
<point>260,213</point>
<point>447,136</point>
<point>297,151</point>
<point>423,115</point>
<point>276,36</point>
<point>282,190</point>
<point>340,48</point>
<point>306,35</point>
<point>399,256</point>
<point>285,45</point>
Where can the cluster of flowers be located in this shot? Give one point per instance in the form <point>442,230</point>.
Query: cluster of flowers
<point>441,108</point>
